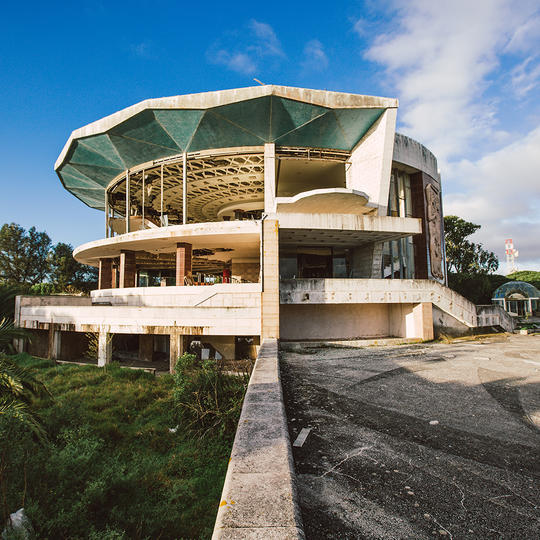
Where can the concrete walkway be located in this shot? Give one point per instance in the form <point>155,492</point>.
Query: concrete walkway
<point>417,441</point>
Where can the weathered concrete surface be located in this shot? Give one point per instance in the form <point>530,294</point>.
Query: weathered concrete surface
<point>418,441</point>
<point>259,496</point>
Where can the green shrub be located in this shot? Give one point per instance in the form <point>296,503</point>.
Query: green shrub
<point>208,399</point>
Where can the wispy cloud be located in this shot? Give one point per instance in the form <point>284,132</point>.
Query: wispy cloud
<point>451,64</point>
<point>243,52</point>
<point>315,58</point>
<point>440,61</point>
<point>144,49</point>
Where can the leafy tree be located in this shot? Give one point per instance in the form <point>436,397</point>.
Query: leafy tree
<point>462,255</point>
<point>23,254</point>
<point>530,276</point>
<point>65,271</point>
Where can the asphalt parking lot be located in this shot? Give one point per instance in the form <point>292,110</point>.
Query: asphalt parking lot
<point>417,441</point>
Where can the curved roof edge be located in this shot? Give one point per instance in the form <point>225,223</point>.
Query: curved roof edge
<point>205,100</point>
<point>414,154</point>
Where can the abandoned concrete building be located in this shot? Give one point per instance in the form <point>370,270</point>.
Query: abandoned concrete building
<point>237,215</point>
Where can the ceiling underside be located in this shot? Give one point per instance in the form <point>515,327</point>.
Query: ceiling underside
<point>335,237</point>
<point>91,163</point>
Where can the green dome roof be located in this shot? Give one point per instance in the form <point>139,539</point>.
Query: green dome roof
<point>522,287</point>
<point>160,128</point>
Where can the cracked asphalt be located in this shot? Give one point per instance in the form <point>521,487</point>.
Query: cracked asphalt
<point>417,441</point>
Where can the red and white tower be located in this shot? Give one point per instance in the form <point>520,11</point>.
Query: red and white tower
<point>511,255</point>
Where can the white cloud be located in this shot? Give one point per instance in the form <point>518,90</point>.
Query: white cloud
<point>243,52</point>
<point>268,42</point>
<point>315,58</point>
<point>502,193</point>
<point>239,62</point>
<point>439,61</point>
<point>526,76</point>
<point>452,65</point>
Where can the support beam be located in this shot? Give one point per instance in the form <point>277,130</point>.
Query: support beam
<point>270,279</point>
<point>177,348</point>
<point>183,262</point>
<point>184,188</point>
<point>127,201</point>
<point>107,211</point>
<point>127,269</point>
<point>104,348</point>
<point>270,178</point>
<point>105,274</point>
<point>146,347</point>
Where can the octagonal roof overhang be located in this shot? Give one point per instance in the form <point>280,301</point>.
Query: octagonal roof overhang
<point>159,128</point>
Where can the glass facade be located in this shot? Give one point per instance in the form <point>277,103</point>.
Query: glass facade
<point>398,255</point>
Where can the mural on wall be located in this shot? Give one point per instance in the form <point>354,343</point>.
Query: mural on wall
<point>434,217</point>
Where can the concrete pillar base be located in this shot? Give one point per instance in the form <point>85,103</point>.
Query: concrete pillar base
<point>104,349</point>
<point>55,342</point>
<point>177,349</point>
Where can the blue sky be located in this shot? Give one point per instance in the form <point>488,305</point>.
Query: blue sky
<point>467,75</point>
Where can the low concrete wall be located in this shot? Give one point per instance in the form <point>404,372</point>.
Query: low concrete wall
<point>495,315</point>
<point>259,497</point>
<point>219,295</point>
<point>378,291</point>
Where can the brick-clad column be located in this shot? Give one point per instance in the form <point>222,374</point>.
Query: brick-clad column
<point>270,272</point>
<point>127,269</point>
<point>183,262</point>
<point>105,274</point>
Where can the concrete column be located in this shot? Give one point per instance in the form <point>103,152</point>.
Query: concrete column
<point>270,274</point>
<point>423,321</point>
<point>55,337</point>
<point>183,262</point>
<point>127,269</point>
<point>146,347</point>
<point>105,274</point>
<point>104,348</point>
<point>177,349</point>
<point>18,343</point>
<point>269,178</point>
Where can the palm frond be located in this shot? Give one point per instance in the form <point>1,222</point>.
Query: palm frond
<point>22,412</point>
<point>20,381</point>
<point>9,332</point>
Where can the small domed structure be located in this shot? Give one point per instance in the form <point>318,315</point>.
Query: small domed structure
<point>518,298</point>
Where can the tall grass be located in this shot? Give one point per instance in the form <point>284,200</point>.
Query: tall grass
<point>112,467</point>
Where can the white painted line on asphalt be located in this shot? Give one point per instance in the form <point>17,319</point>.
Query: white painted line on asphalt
<point>302,436</point>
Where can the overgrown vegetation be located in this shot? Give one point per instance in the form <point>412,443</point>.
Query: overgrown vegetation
<point>208,399</point>
<point>112,467</point>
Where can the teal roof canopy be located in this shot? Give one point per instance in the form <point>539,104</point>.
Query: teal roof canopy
<point>156,129</point>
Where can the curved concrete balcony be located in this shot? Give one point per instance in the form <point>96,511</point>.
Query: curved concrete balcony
<point>239,239</point>
<point>330,200</point>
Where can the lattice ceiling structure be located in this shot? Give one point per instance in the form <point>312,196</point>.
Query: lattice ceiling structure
<point>162,128</point>
<point>213,183</point>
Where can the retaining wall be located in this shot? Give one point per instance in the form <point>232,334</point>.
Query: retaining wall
<point>259,497</point>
